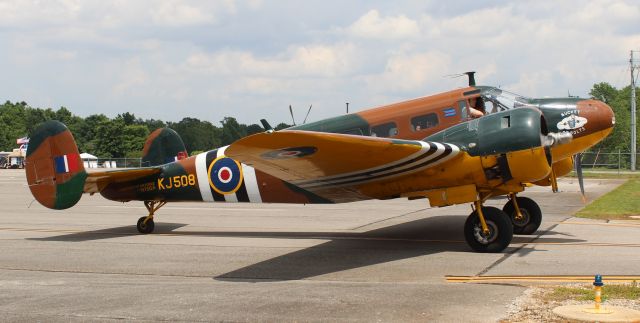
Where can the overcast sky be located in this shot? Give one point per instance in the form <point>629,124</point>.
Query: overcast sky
<point>167,59</point>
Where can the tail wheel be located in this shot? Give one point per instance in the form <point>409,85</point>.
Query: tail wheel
<point>531,215</point>
<point>499,235</point>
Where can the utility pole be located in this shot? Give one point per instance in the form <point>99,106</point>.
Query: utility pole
<point>633,113</point>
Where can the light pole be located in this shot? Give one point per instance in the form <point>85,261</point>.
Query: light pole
<point>633,113</point>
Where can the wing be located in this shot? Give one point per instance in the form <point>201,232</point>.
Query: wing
<point>337,166</point>
<point>97,180</point>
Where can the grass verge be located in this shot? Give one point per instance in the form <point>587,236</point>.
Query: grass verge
<point>585,293</point>
<point>617,204</point>
<point>606,174</point>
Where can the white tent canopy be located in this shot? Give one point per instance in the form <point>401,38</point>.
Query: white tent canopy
<point>87,156</point>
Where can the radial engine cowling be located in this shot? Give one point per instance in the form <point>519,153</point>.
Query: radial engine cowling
<point>518,138</point>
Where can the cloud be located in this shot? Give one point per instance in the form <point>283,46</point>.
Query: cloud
<point>132,78</point>
<point>176,13</point>
<point>247,57</point>
<point>410,72</point>
<point>372,25</point>
<point>297,61</point>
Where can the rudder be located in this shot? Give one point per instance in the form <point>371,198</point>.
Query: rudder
<point>55,173</point>
<point>164,145</point>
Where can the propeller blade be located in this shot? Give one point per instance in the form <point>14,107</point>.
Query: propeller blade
<point>577,162</point>
<point>305,117</point>
<point>266,125</point>
<point>292,118</point>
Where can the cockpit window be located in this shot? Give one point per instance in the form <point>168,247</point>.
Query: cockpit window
<point>499,100</point>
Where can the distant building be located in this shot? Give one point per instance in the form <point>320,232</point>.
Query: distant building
<point>15,159</point>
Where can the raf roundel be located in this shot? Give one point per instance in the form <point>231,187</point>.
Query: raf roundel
<point>291,152</point>
<point>225,175</point>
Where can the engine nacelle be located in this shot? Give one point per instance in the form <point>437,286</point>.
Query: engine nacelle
<point>518,138</point>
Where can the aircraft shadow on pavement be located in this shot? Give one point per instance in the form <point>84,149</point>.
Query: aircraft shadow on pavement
<point>407,240</point>
<point>345,250</point>
<point>109,233</point>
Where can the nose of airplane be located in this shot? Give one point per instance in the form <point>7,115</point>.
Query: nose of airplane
<point>596,116</point>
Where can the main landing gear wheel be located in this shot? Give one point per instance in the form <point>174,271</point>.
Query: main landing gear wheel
<point>145,224</point>
<point>145,227</point>
<point>531,217</point>
<point>498,236</point>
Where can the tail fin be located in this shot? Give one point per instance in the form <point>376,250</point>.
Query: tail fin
<point>55,173</point>
<point>163,146</point>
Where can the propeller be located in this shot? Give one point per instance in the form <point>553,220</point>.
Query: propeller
<point>292,118</point>
<point>266,125</point>
<point>577,162</point>
<point>305,118</point>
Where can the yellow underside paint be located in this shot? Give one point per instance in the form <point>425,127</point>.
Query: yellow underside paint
<point>561,168</point>
<point>578,145</point>
<point>459,174</point>
<point>448,196</point>
<point>542,279</point>
<point>528,165</point>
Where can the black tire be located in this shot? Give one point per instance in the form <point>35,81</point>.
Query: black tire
<point>500,227</point>
<point>145,228</point>
<point>531,213</point>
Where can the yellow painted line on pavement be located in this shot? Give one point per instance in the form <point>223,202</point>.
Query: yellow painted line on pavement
<point>632,225</point>
<point>550,279</point>
<point>580,244</point>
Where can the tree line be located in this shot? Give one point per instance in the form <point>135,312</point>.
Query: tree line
<point>620,101</point>
<point>122,136</point>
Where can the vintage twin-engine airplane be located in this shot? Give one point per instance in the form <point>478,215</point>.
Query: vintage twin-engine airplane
<point>429,147</point>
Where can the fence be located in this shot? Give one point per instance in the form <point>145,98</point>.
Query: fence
<point>619,161</point>
<point>608,160</point>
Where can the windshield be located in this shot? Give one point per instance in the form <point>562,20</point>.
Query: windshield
<point>500,100</point>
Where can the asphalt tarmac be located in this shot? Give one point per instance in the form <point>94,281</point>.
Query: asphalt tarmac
<point>365,261</point>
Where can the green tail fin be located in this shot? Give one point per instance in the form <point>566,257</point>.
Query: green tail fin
<point>163,146</point>
<point>55,173</point>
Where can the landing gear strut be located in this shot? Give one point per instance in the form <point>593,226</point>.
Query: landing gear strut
<point>488,229</point>
<point>525,214</point>
<point>145,224</point>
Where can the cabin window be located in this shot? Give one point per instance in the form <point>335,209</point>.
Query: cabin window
<point>462,105</point>
<point>505,122</point>
<point>424,121</point>
<point>389,129</point>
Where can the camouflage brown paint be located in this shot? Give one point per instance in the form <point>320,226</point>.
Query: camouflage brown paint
<point>53,190</point>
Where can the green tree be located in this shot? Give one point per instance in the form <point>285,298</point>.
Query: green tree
<point>12,124</point>
<point>153,124</point>
<point>231,131</point>
<point>86,135</point>
<point>281,126</point>
<point>197,135</point>
<point>619,101</point>
<point>253,129</point>
<point>107,140</point>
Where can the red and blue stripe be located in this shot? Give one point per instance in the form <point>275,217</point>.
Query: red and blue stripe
<point>67,163</point>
